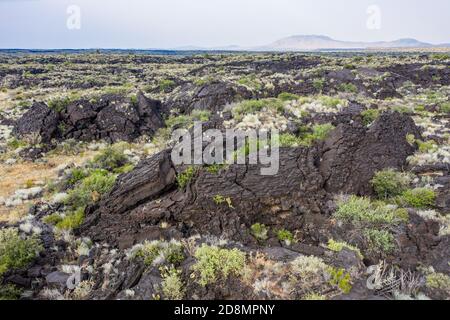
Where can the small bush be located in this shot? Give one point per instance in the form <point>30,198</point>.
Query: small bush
<point>110,158</point>
<point>285,96</point>
<point>158,252</point>
<point>341,279</point>
<point>259,231</point>
<point>186,177</point>
<point>361,211</point>
<point>438,281</point>
<point>76,175</point>
<point>172,286</point>
<point>16,252</point>
<point>219,199</point>
<point>308,267</point>
<point>369,116</point>
<point>285,236</point>
<point>72,220</point>
<point>213,262</point>
<point>52,219</point>
<point>165,84</point>
<point>390,183</point>
<point>290,140</point>
<point>445,107</point>
<point>418,198</point>
<point>347,87</point>
<point>426,146</point>
<point>90,189</point>
<point>319,83</point>
<point>9,292</point>
<point>338,246</point>
<point>379,241</point>
<point>200,115</point>
<point>252,106</point>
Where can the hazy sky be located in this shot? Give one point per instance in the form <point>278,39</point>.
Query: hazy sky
<point>173,23</point>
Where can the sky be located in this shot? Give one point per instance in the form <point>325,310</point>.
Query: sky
<point>45,24</point>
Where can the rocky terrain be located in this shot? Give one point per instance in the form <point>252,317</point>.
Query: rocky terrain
<point>92,205</point>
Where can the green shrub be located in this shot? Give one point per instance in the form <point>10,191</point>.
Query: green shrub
<point>319,83</point>
<point>52,219</point>
<point>110,158</point>
<point>259,231</point>
<point>418,198</point>
<point>285,96</point>
<point>361,211</point>
<point>179,122</point>
<point>215,168</point>
<point>290,140</point>
<point>59,104</point>
<point>285,236</point>
<point>252,106</point>
<point>426,146</point>
<point>17,252</point>
<point>369,116</point>
<point>16,143</point>
<point>171,285</point>
<point>76,175</point>
<point>338,246</point>
<point>347,87</point>
<point>219,199</point>
<point>90,189</point>
<point>213,262</point>
<point>171,252</point>
<point>330,101</point>
<point>438,281</point>
<point>340,279</point>
<point>445,107</point>
<point>379,241</point>
<point>200,115</point>
<point>165,85</point>
<point>9,292</point>
<point>390,183</point>
<point>72,220</point>
<point>186,177</point>
<point>251,82</point>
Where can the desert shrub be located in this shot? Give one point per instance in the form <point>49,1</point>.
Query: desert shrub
<point>215,168</point>
<point>91,188</point>
<point>338,246</point>
<point>17,252</point>
<point>252,106</point>
<point>319,83</point>
<point>72,220</point>
<point>331,102</point>
<point>321,131</point>
<point>340,279</point>
<point>165,84</point>
<point>186,177</point>
<point>285,236</point>
<point>171,285</point>
<point>390,183</point>
<point>219,199</point>
<point>379,241</point>
<point>259,231</point>
<point>158,252</point>
<point>9,292</point>
<point>369,116</point>
<point>52,219</point>
<point>213,262</point>
<point>308,267</point>
<point>200,115</point>
<point>290,140</point>
<point>361,211</point>
<point>111,158</point>
<point>440,56</point>
<point>251,82</point>
<point>285,96</point>
<point>347,87</point>
<point>59,104</point>
<point>426,146</point>
<point>16,143</point>
<point>445,107</point>
<point>437,280</point>
<point>178,122</point>
<point>418,198</point>
<point>76,175</point>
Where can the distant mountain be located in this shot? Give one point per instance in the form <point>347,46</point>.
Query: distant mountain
<point>319,42</point>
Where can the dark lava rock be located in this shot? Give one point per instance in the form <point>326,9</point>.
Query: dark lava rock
<point>353,154</point>
<point>39,120</point>
<point>213,97</point>
<point>111,118</point>
<point>293,199</point>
